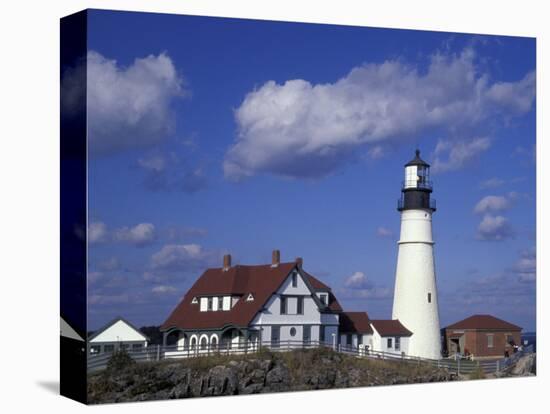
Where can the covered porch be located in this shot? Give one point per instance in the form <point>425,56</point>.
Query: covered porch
<point>230,339</point>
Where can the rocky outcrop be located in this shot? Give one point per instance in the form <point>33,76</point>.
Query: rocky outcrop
<point>289,371</point>
<point>525,366</point>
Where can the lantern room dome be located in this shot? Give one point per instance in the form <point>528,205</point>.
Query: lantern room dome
<point>417,160</point>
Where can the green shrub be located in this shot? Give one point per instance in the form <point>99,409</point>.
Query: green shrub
<point>120,361</point>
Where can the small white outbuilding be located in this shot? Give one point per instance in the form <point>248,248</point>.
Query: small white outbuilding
<point>117,334</point>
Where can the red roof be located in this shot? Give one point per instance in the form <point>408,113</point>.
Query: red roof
<point>484,322</point>
<point>390,327</point>
<point>355,322</point>
<point>261,281</point>
<point>317,285</point>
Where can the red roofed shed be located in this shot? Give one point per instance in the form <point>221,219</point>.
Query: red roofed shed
<point>482,336</point>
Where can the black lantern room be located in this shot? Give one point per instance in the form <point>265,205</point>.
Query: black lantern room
<point>417,187</point>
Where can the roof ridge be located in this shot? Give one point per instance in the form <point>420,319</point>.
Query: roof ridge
<point>253,265</point>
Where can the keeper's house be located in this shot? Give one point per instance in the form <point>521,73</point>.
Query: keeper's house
<point>277,304</point>
<point>481,336</point>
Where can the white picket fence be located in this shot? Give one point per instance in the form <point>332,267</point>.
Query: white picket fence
<point>158,352</point>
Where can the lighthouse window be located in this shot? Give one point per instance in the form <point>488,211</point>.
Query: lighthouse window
<point>429,298</point>
<point>397,343</point>
<point>390,342</point>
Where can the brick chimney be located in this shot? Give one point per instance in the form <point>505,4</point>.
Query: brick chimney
<point>275,258</point>
<point>226,262</point>
<point>299,262</point>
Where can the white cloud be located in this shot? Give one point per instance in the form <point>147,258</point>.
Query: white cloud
<point>99,299</point>
<point>300,129</point>
<point>97,232</point>
<point>357,280</point>
<point>516,96</point>
<point>176,233</point>
<point>168,172</point>
<point>492,203</point>
<point>182,256</point>
<point>155,163</point>
<point>109,264</point>
<point>164,290</point>
<point>376,152</point>
<point>491,183</point>
<point>453,155</point>
<point>384,232</point>
<point>494,228</point>
<point>526,266</point>
<point>129,107</point>
<point>140,235</point>
<point>357,286</point>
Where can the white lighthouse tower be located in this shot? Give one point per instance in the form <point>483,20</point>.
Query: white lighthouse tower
<point>415,295</point>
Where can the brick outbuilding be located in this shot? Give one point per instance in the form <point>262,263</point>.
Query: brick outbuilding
<point>481,336</point>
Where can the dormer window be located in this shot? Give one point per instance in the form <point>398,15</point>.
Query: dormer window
<point>210,303</point>
<point>250,297</point>
<point>323,297</point>
<point>194,301</point>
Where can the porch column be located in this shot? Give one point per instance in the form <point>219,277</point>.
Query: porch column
<point>164,338</point>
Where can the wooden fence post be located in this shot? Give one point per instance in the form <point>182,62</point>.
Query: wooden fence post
<point>458,366</point>
<point>158,352</point>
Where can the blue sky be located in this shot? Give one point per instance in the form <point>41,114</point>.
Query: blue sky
<point>210,135</point>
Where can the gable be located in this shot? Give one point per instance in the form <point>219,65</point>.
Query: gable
<point>302,287</point>
<point>119,331</point>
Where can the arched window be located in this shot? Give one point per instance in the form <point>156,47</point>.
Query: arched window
<point>204,343</point>
<point>193,342</point>
<point>214,342</point>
